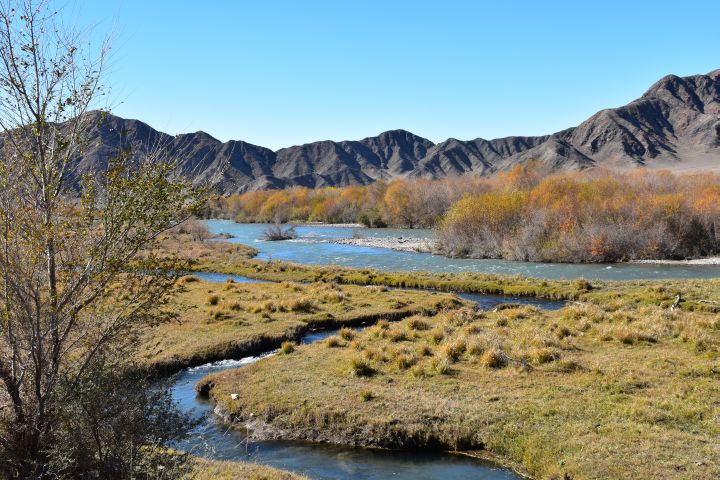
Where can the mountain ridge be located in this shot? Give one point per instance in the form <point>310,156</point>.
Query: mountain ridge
<point>675,123</point>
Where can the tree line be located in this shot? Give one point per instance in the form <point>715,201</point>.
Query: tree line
<point>526,213</point>
<point>400,203</point>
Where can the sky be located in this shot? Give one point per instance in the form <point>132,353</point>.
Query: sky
<point>278,73</point>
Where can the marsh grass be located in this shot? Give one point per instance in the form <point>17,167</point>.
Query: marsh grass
<point>346,333</point>
<point>366,395</point>
<point>333,342</point>
<point>493,358</point>
<point>361,368</point>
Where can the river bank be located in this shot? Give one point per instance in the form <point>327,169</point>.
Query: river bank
<point>373,401</point>
<point>317,245</point>
<point>230,320</point>
<point>694,261</point>
<point>430,245</point>
<point>204,469</point>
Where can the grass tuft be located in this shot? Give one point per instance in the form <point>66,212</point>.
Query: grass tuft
<point>332,342</point>
<point>366,395</point>
<point>361,368</point>
<point>347,333</point>
<point>287,347</point>
<point>493,358</point>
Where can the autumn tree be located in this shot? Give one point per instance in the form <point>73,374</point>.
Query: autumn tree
<point>74,292</point>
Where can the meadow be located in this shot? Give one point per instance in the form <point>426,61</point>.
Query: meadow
<point>700,294</point>
<point>621,382</point>
<point>203,469</point>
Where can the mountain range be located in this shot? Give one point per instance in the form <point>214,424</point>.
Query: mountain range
<point>675,124</point>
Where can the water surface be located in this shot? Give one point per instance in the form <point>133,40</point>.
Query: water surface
<point>314,246</point>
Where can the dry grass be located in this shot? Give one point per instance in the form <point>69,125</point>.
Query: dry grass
<point>204,469</point>
<point>592,405</point>
<point>287,347</point>
<point>217,322</point>
<point>188,246</point>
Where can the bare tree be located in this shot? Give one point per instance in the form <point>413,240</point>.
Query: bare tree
<point>75,294</point>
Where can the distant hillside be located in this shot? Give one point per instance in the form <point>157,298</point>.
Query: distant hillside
<point>675,124</point>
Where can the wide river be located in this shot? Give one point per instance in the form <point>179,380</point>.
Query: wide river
<point>314,245</point>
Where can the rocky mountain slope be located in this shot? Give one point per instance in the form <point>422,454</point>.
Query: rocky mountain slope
<point>675,124</point>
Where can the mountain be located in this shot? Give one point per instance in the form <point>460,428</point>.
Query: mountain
<point>675,124</point>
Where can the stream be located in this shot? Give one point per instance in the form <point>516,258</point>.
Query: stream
<point>213,439</point>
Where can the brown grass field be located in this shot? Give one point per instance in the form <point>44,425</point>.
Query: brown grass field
<point>618,384</point>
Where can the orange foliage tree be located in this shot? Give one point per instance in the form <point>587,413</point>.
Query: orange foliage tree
<point>525,213</point>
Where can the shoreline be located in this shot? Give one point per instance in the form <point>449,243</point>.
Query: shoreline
<point>428,245</point>
<point>415,245</point>
<point>694,261</point>
<point>261,430</point>
<point>332,225</point>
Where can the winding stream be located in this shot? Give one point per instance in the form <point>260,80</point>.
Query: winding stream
<point>212,439</point>
<point>314,246</point>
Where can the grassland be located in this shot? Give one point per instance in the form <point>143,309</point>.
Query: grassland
<point>230,320</point>
<point>611,389</point>
<point>618,384</point>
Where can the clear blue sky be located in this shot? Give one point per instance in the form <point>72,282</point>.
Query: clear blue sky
<point>280,73</point>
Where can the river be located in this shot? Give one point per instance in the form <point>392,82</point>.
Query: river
<point>314,245</point>
<point>212,439</point>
